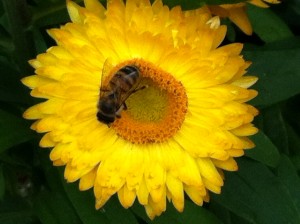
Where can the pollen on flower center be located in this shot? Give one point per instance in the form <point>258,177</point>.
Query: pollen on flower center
<point>155,113</point>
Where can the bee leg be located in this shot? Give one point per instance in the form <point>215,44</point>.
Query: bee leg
<point>118,113</point>
<point>125,106</point>
<point>140,88</point>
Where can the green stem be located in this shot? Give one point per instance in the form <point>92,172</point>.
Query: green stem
<point>18,18</point>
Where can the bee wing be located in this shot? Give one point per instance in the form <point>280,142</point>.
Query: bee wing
<point>107,66</point>
<point>123,97</point>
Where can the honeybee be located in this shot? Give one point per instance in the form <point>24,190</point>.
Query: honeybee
<point>112,98</point>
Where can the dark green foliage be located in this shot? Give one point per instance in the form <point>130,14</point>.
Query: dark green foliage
<point>265,190</point>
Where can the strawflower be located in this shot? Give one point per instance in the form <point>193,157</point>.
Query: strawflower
<point>237,13</point>
<point>177,134</point>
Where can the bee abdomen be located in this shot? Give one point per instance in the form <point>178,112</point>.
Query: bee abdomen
<point>126,78</point>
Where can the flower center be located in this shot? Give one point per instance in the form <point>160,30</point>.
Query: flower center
<point>155,113</point>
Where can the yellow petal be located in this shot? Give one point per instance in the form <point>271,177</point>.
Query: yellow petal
<point>143,193</point>
<point>209,171</point>
<point>126,196</point>
<point>47,141</point>
<point>96,7</point>
<point>87,181</point>
<point>239,17</point>
<point>259,3</point>
<point>73,10</point>
<point>175,187</point>
<point>229,164</point>
<point>196,194</point>
<point>245,130</point>
<point>245,81</point>
<point>211,186</point>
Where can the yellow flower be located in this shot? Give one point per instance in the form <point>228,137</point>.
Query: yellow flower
<point>237,13</point>
<point>177,134</point>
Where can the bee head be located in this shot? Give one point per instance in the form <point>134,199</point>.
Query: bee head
<point>105,118</point>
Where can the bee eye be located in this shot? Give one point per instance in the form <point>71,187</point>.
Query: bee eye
<point>108,107</point>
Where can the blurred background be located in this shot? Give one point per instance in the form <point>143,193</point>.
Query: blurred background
<point>265,190</point>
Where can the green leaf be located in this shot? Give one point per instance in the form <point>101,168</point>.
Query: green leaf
<point>18,18</point>
<point>19,217</point>
<point>50,14</point>
<point>43,211</point>
<point>259,196</point>
<point>234,219</point>
<point>192,213</point>
<point>293,140</point>
<point>221,212</point>
<point>2,183</point>
<point>220,2</point>
<point>52,207</point>
<point>287,173</point>
<point>195,214</point>
<point>265,151</point>
<point>51,173</point>
<point>84,201</point>
<point>274,127</point>
<point>185,4</point>
<point>53,12</point>
<point>278,72</point>
<point>188,4</point>
<point>40,43</point>
<point>46,14</point>
<point>139,211</point>
<point>267,25</point>
<point>117,214</point>
<point>14,130</point>
<point>15,210</point>
<point>6,45</point>
<point>296,162</point>
<point>11,88</point>
<point>285,44</point>
<point>230,34</point>
<point>84,204</point>
<point>46,204</point>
